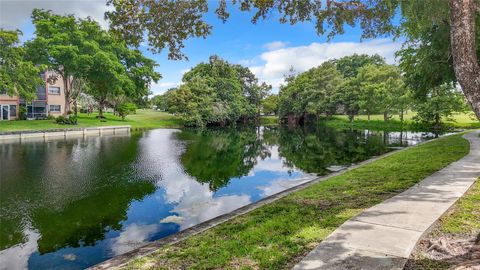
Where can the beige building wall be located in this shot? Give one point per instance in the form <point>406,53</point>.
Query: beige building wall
<point>10,101</point>
<point>55,99</point>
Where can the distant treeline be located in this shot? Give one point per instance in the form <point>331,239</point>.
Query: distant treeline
<point>221,93</point>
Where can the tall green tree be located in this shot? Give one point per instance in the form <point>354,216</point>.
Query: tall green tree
<point>439,103</point>
<point>310,94</point>
<point>217,92</point>
<point>168,23</point>
<point>350,65</point>
<point>381,87</point>
<point>116,70</point>
<point>60,43</point>
<point>18,76</point>
<point>270,104</point>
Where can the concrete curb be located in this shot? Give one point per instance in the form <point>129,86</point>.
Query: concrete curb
<point>123,259</point>
<point>383,236</point>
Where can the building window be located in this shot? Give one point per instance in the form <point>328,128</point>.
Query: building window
<point>13,110</point>
<point>55,108</point>
<point>53,90</point>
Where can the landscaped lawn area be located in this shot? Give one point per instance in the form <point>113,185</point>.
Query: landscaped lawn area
<point>277,235</point>
<point>143,119</point>
<point>458,120</point>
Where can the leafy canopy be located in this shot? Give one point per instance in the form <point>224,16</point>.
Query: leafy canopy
<point>217,93</point>
<point>18,76</point>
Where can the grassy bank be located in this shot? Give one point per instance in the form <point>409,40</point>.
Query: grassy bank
<point>277,235</point>
<point>457,121</point>
<point>455,234</point>
<point>143,119</point>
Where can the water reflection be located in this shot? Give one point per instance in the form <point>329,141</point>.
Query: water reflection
<point>68,204</point>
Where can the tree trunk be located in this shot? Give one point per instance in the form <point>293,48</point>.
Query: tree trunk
<point>101,105</point>
<point>401,115</point>
<point>368,116</point>
<point>385,116</point>
<point>351,116</point>
<point>465,61</point>
<point>75,107</point>
<point>67,95</point>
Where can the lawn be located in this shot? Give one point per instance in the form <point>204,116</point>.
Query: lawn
<point>458,121</point>
<point>277,235</point>
<point>143,119</point>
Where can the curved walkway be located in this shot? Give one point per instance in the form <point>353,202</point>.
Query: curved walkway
<point>382,237</point>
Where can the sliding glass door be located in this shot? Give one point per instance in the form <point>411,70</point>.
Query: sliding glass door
<point>5,114</point>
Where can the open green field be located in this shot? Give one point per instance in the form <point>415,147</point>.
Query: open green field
<point>143,119</point>
<point>458,121</point>
<point>277,235</point>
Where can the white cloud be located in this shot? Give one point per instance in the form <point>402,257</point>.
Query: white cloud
<point>15,13</point>
<point>134,236</point>
<point>276,63</point>
<point>17,257</point>
<point>162,87</point>
<point>275,45</point>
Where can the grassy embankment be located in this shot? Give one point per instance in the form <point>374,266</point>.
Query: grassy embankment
<point>459,224</point>
<point>457,121</point>
<point>147,119</point>
<point>143,119</point>
<point>277,235</point>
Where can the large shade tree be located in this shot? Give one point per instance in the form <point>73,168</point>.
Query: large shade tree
<point>168,23</point>
<point>60,43</point>
<point>310,94</point>
<point>217,93</point>
<point>18,76</point>
<point>116,71</point>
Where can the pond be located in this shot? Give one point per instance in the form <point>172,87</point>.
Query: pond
<point>72,203</point>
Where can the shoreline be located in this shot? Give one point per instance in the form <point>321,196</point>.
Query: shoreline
<point>148,248</point>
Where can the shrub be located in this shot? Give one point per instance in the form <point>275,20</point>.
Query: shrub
<point>126,109</point>
<point>62,120</point>
<point>22,113</point>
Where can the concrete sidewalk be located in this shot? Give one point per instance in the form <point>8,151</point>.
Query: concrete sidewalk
<point>382,237</point>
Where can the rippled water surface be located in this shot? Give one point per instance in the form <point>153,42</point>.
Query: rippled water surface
<point>69,204</point>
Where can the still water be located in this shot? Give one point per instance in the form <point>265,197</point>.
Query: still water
<point>72,203</point>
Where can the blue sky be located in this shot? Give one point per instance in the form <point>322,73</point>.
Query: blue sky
<point>268,48</point>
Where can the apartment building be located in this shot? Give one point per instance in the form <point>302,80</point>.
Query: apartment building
<point>50,100</point>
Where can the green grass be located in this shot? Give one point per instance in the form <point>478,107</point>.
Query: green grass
<point>276,235</point>
<point>457,121</point>
<point>269,120</point>
<point>464,218</point>
<point>143,119</point>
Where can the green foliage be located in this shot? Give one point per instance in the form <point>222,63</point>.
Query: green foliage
<point>69,120</point>
<point>160,101</point>
<point>311,93</point>
<point>80,48</point>
<point>270,104</point>
<point>382,89</point>
<point>440,102</point>
<point>217,156</point>
<point>367,84</point>
<point>126,109</point>
<point>350,65</point>
<point>217,93</point>
<point>18,76</point>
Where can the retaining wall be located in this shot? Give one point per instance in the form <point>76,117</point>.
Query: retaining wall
<point>90,131</point>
